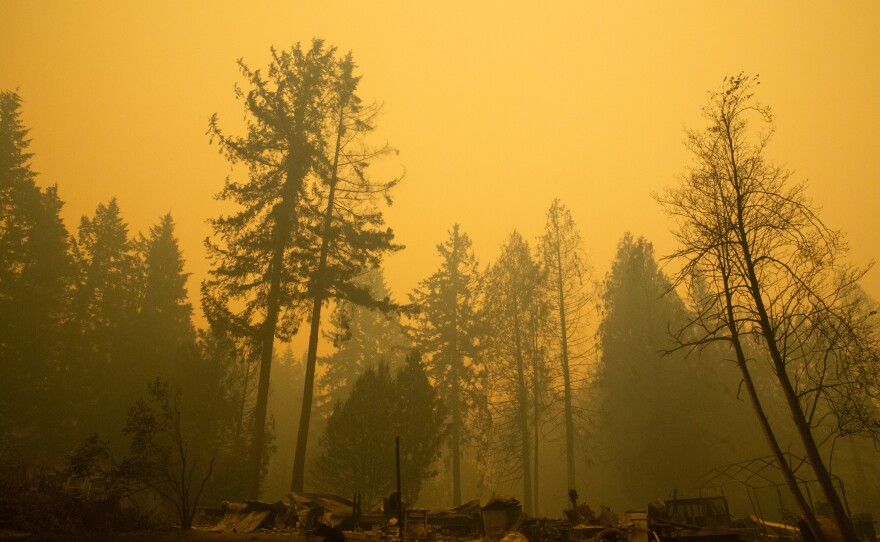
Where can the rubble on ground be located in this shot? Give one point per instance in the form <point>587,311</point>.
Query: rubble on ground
<point>320,517</point>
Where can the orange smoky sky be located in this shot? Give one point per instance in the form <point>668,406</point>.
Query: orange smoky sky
<point>496,107</point>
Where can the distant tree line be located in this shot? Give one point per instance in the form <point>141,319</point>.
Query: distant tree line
<point>523,376</point>
<point>90,318</point>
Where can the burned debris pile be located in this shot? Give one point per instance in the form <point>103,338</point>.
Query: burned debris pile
<point>312,517</point>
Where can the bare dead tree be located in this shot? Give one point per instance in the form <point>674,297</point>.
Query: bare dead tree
<point>568,294</point>
<point>161,456</point>
<point>774,273</point>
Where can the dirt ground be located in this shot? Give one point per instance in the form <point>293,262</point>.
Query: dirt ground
<point>154,535</point>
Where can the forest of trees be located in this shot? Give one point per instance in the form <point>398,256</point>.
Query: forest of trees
<point>528,375</point>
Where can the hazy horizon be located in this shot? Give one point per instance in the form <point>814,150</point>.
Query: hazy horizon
<point>495,109</point>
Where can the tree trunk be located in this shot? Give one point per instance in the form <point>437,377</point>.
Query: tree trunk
<point>285,222</point>
<point>841,518</point>
<point>566,375</point>
<point>523,420</point>
<point>455,438</point>
<point>297,482</point>
<point>258,440</point>
<point>455,385</point>
<point>764,422</point>
<point>536,409</point>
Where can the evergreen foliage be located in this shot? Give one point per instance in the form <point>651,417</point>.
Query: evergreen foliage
<point>764,320</point>
<point>261,260</point>
<point>306,223</point>
<point>352,240</point>
<point>421,426</point>
<point>165,316</point>
<point>447,332</point>
<point>359,440</point>
<point>519,378</point>
<point>362,336</point>
<point>663,418</point>
<point>36,275</point>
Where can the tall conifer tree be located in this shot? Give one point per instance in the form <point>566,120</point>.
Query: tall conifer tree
<point>165,331</point>
<point>106,301</point>
<point>35,281</point>
<point>257,285</point>
<point>512,311</point>
<point>446,331</point>
<point>568,294</point>
<point>362,336</point>
<point>349,239</point>
<point>307,223</point>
